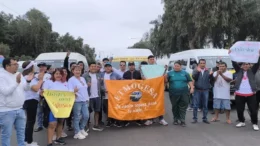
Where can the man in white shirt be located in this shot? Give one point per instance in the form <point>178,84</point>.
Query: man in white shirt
<point>93,80</point>
<point>12,98</point>
<point>222,79</point>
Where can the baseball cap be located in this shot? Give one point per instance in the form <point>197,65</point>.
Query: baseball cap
<point>41,64</point>
<point>108,64</point>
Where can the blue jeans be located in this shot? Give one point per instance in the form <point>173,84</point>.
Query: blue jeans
<point>80,109</point>
<point>200,96</point>
<point>7,120</point>
<point>40,115</point>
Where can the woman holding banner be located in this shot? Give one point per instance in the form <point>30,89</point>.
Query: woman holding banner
<point>57,82</point>
<point>81,103</point>
<point>179,92</point>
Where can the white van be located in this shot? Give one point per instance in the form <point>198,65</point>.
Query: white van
<point>189,58</point>
<point>20,68</point>
<point>56,59</point>
<point>128,55</point>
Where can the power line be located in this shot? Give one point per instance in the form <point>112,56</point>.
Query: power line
<point>9,8</point>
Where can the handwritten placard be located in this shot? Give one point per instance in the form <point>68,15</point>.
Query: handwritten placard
<point>245,51</point>
<point>152,71</point>
<point>60,102</point>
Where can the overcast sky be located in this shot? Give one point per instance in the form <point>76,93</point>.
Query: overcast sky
<point>104,24</point>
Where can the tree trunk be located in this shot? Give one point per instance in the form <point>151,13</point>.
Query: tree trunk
<point>192,42</point>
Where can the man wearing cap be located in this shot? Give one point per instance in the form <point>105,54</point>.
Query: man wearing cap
<point>132,74</point>
<point>42,69</point>
<point>151,61</point>
<point>108,74</point>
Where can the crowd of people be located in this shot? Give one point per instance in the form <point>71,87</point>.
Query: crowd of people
<point>22,96</point>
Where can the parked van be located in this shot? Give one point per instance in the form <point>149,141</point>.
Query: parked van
<point>20,68</point>
<point>128,55</point>
<point>190,58</point>
<point>56,59</point>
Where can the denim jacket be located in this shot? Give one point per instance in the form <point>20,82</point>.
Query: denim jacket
<point>87,77</point>
<point>113,76</point>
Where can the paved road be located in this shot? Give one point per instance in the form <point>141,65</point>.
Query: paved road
<point>214,134</point>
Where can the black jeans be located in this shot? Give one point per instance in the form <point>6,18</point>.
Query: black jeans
<point>100,118</point>
<point>30,106</point>
<point>69,120</point>
<point>257,100</point>
<point>251,103</point>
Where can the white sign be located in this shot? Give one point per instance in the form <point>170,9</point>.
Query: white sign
<point>245,51</point>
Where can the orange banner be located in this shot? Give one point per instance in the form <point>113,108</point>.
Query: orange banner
<point>135,99</point>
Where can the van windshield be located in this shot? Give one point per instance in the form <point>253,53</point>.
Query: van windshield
<point>211,61</point>
<point>54,63</point>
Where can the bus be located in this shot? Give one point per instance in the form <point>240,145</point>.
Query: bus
<point>130,55</point>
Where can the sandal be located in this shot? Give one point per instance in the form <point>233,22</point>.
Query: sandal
<point>214,120</point>
<point>229,121</point>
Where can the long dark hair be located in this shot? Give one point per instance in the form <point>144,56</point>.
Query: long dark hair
<point>57,70</point>
<point>29,70</point>
<point>83,70</point>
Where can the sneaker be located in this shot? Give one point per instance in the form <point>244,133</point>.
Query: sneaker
<point>241,124</point>
<point>32,144</point>
<point>64,135</point>
<point>206,122</point>
<point>148,122</point>
<point>255,127</point>
<point>126,124</point>
<point>183,124</point>
<point>163,122</point>
<point>84,133</point>
<point>54,137</point>
<point>97,128</point>
<point>60,141</point>
<point>189,109</point>
<point>194,122</point>
<point>49,144</point>
<point>38,129</point>
<point>118,124</point>
<point>139,123</point>
<point>109,124</point>
<point>79,136</point>
<point>176,123</point>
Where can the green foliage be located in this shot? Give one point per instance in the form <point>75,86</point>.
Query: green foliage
<point>32,34</point>
<point>4,49</point>
<point>190,24</point>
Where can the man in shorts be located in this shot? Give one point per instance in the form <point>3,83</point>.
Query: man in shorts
<point>93,80</point>
<point>222,79</point>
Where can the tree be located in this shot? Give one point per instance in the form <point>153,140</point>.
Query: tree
<point>29,35</point>
<point>4,49</point>
<point>192,24</point>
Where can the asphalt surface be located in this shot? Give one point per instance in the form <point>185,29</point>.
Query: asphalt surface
<point>200,134</point>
